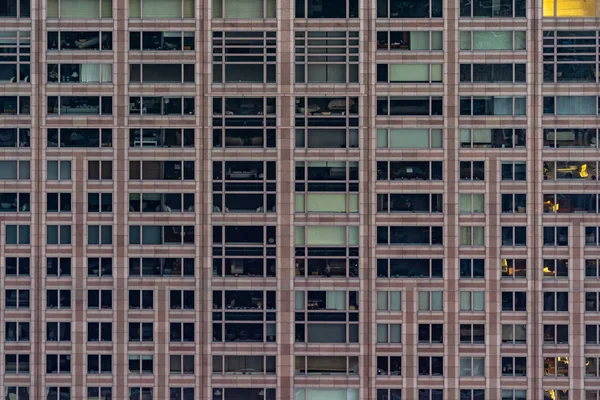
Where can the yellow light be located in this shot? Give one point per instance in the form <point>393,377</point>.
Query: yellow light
<point>583,171</point>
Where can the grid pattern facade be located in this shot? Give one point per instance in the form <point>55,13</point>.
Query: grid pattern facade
<point>299,199</point>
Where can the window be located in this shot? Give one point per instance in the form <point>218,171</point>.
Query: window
<point>16,331</point>
<point>99,202</point>
<point>15,68</point>
<point>514,203</point>
<point>571,170</point>
<point>409,73</point>
<point>79,73</point>
<point>514,301</point>
<point>556,366</point>
<point>163,9</point>
<point>472,235</point>
<point>88,9</point>
<point>326,57</point>
<point>592,302</point>
<point>493,73</point>
<point>99,299</point>
<point>168,235</point>
<point>136,393</point>
<point>514,366</point>
<point>141,332</point>
<point>181,393</point>
<point>472,268</point>
<point>161,170</point>
<point>58,266</point>
<point>154,267</point>
<point>570,203</point>
<point>99,393</point>
<point>58,331</point>
<point>492,105</point>
<point>416,203</point>
<point>17,266</point>
<point>161,73</point>
<point>580,67</point>
<point>388,394</point>
<point>15,137</point>
<point>472,170</point>
<point>58,170</point>
<point>472,203</point>
<point>389,301</point>
<point>14,202</point>
<point>16,298</point>
<point>141,300</point>
<point>79,105</point>
<point>243,9</point>
<point>496,138</point>
<point>58,363</point>
<point>141,364</point>
<point>269,394</point>
<point>58,299</point>
<point>390,366</point>
<point>493,40</point>
<point>17,392</point>
<point>472,333</point>
<point>472,301</point>
<point>58,202</point>
<point>158,137</point>
<point>511,394</point>
<point>489,9</point>
<point>409,40</point>
<point>16,105</point>
<point>431,301</point>
<point>182,299</point>
<point>564,9</point>
<point>99,234</point>
<point>14,170</point>
<point>409,105</point>
<point>514,268</point>
<point>556,394</point>
<point>157,202</point>
<point>514,334</point>
<point>100,170</point>
<point>181,331</point>
<point>591,269</point>
<point>161,41</point>
<point>99,267</point>
<point>16,363</point>
<point>431,394</point>
<point>414,9</point>
<point>571,137</point>
<point>472,394</point>
<point>409,138</point>
<point>431,333</point>
<point>556,268</point>
<point>389,333</point>
<point>326,9</point>
<point>255,60</point>
<point>514,236</point>
<point>570,105</point>
<point>472,366</point>
<point>514,171</point>
<point>410,268</point>
<point>17,234</point>
<point>162,105</point>
<point>15,9</point>
<point>79,138</point>
<point>99,363</point>
<point>181,364</point>
<point>431,366</point>
<point>556,235</point>
<point>591,334</point>
<point>409,170</point>
<point>409,235</point>
<point>99,331</point>
<point>556,334</point>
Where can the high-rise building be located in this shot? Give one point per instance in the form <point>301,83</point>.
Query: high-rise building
<point>299,199</point>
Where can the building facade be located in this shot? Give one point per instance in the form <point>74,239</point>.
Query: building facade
<point>299,199</point>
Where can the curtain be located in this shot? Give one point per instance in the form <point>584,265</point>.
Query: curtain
<point>106,8</point>
<point>478,301</point>
<point>106,74</point>
<point>151,234</point>
<point>503,105</point>
<point>576,105</point>
<point>330,202</point>
<point>89,9</point>
<point>465,204</point>
<point>520,40</point>
<point>300,394</point>
<point>465,301</point>
<point>465,235</point>
<point>436,72</point>
<point>395,301</point>
<point>326,394</point>
<point>52,6</point>
<point>65,170</point>
<point>492,40</point>
<point>135,9</point>
<point>478,235</point>
<point>299,234</point>
<point>382,333</point>
<point>482,136</point>
<point>300,203</point>
<point>161,8</point>
<point>437,301</point>
<point>89,72</point>
<point>217,9</point>
<point>395,333</point>
<point>465,40</point>
<point>326,333</point>
<point>436,40</point>
<point>335,300</point>
<point>436,139</point>
<point>330,73</point>
<point>299,300</point>
<point>423,301</point>
<point>326,235</point>
<point>478,203</point>
<point>382,300</point>
<point>326,138</point>
<point>352,203</point>
<point>353,235</point>
<point>244,8</point>
<point>465,137</point>
<point>419,40</point>
<point>409,72</point>
<point>8,170</point>
<point>409,138</point>
<point>382,138</point>
<point>478,366</point>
